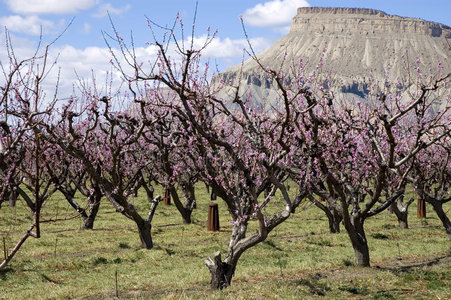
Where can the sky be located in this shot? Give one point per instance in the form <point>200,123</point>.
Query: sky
<point>82,50</point>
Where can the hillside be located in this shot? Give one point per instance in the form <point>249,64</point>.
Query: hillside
<point>357,46</point>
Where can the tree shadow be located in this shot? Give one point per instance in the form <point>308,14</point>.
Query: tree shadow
<point>4,273</point>
<point>408,267</point>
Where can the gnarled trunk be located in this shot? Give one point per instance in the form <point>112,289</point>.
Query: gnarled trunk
<point>221,272</point>
<point>13,198</point>
<point>334,223</point>
<point>94,198</point>
<point>401,211</point>
<point>402,216</point>
<point>334,217</point>
<point>127,209</point>
<point>186,208</point>
<point>69,195</point>
<point>145,225</point>
<point>144,229</point>
<point>189,194</point>
<point>359,242</point>
<point>89,221</point>
<point>333,214</point>
<point>438,208</point>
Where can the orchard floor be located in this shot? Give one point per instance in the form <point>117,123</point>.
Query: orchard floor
<point>299,260</point>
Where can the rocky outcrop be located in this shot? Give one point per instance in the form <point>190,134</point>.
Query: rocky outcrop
<point>359,47</point>
<point>366,22</point>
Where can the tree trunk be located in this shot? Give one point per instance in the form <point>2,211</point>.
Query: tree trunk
<point>149,190</point>
<point>362,255</point>
<point>221,272</point>
<point>334,223</point>
<point>13,198</point>
<point>144,229</point>
<point>359,242</point>
<point>333,215</point>
<point>26,198</point>
<point>401,214</point>
<point>189,194</point>
<point>95,199</point>
<point>403,220</point>
<point>89,221</point>
<point>69,195</point>
<point>185,212</point>
<point>438,208</point>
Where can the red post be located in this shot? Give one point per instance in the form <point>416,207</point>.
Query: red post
<point>213,217</point>
<point>167,197</point>
<point>421,208</point>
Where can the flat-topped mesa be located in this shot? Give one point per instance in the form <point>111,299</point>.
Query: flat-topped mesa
<point>368,22</point>
<point>339,10</point>
<point>357,49</point>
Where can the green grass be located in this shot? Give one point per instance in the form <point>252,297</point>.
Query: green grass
<point>299,260</point>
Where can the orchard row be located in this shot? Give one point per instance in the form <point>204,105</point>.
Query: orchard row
<point>177,124</point>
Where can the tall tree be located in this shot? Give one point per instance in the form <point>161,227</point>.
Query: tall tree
<point>97,135</point>
<point>360,149</point>
<point>23,107</point>
<point>239,150</point>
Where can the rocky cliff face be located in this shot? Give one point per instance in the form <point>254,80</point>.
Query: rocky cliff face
<point>358,46</point>
<point>365,22</point>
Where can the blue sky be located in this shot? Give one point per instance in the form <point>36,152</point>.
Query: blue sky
<point>82,49</point>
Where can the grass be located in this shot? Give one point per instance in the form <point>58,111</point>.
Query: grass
<point>300,259</point>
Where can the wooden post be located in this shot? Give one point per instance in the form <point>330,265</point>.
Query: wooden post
<point>213,217</point>
<point>167,197</point>
<point>117,290</point>
<point>421,208</point>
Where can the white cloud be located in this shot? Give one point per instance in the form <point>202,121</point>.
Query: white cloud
<point>89,61</point>
<point>29,25</point>
<point>49,6</point>
<point>276,13</point>
<point>108,8</point>
<point>228,48</point>
<point>23,47</point>
<point>84,63</point>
